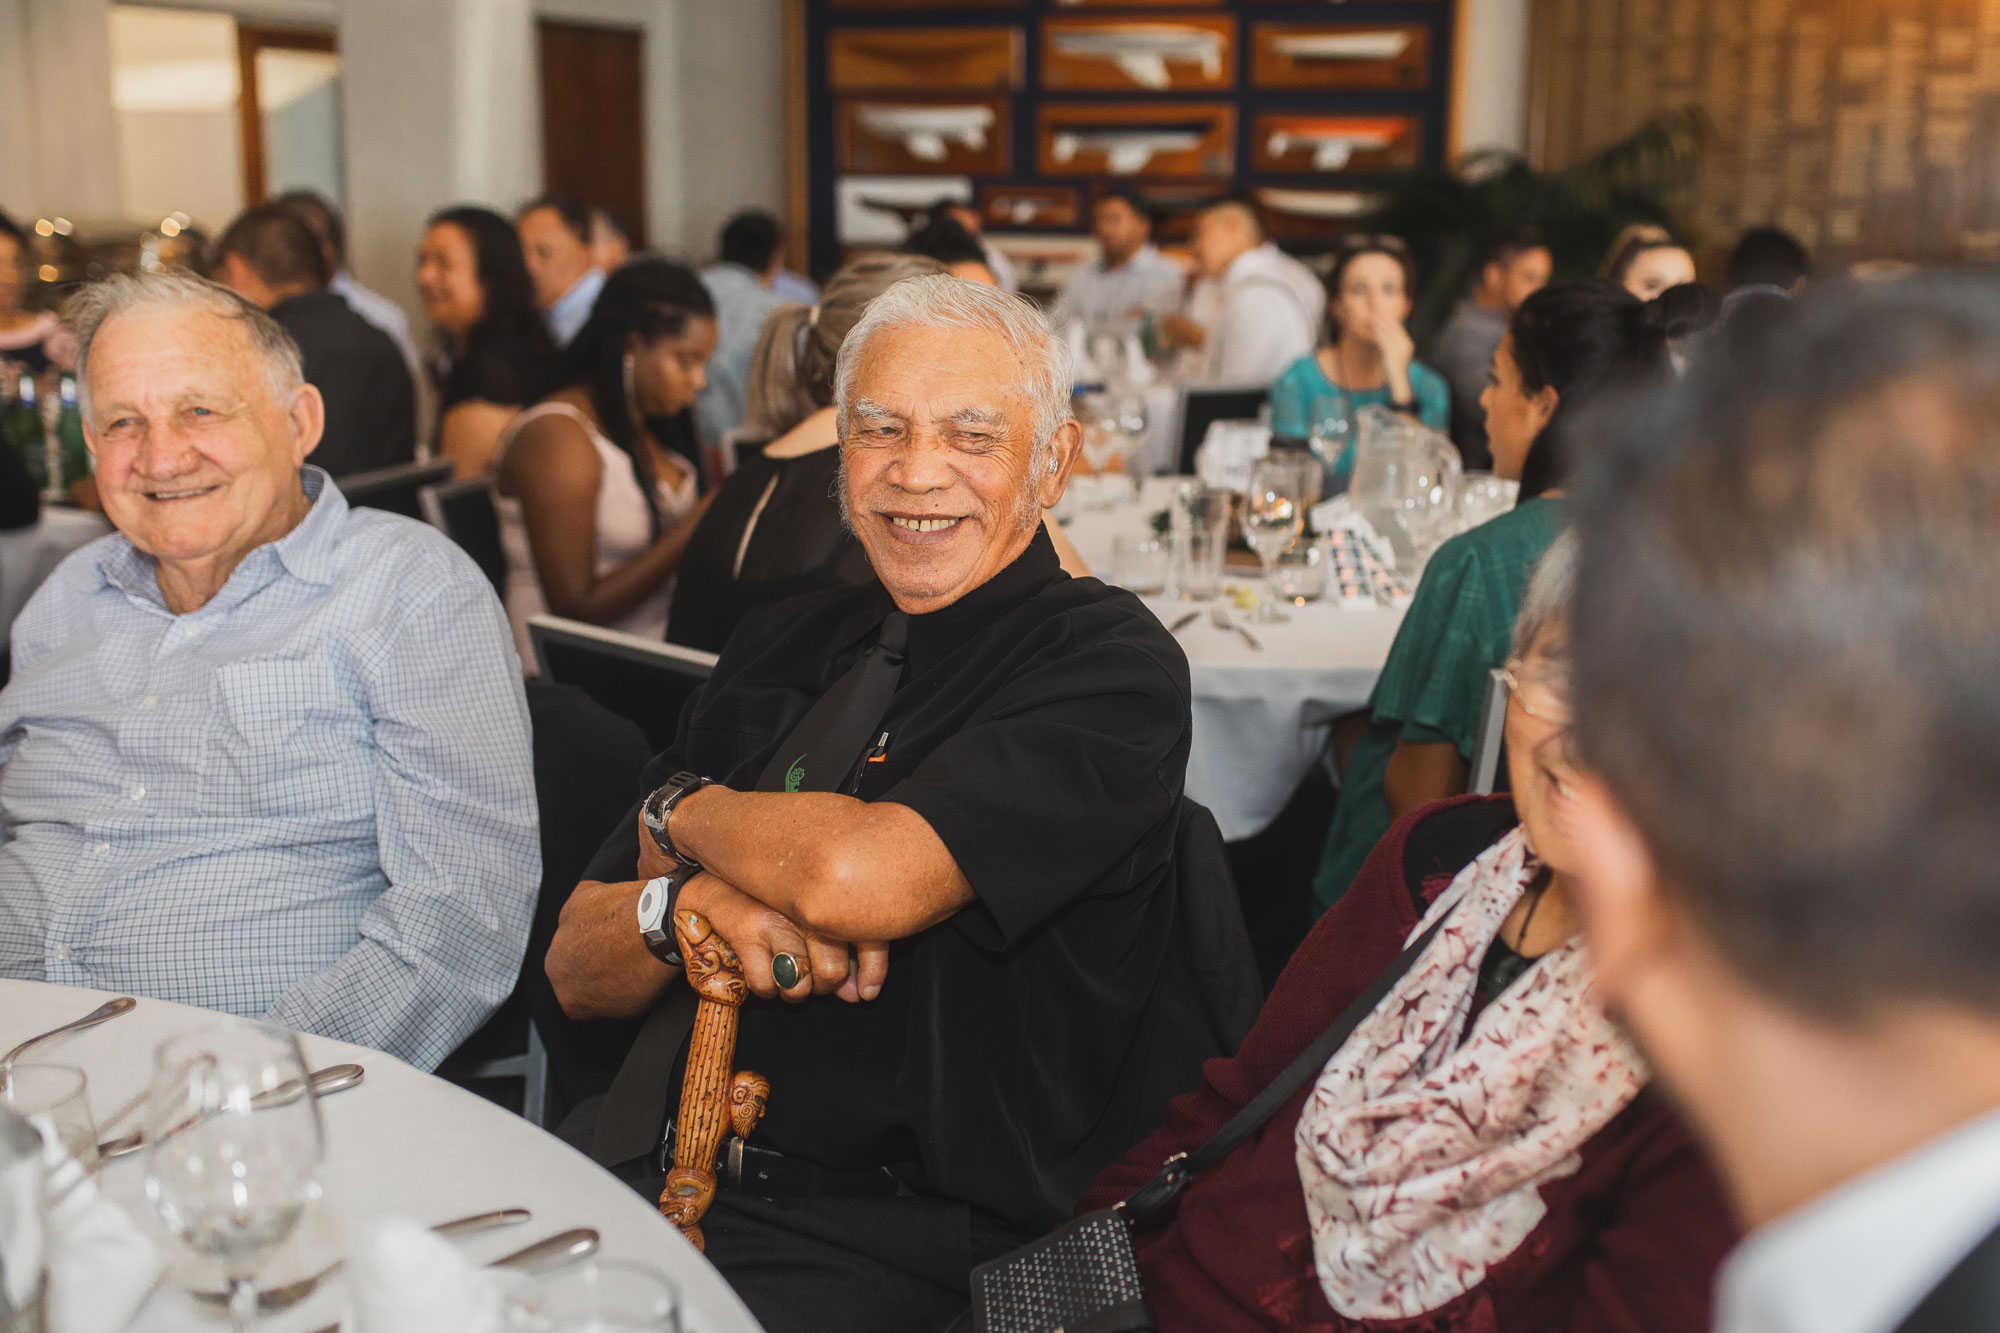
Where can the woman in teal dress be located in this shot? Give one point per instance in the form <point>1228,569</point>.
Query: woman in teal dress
<point>1566,345</point>
<point>1370,359</point>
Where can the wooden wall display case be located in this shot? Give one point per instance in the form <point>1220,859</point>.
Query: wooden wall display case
<point>902,135</point>
<point>1159,53</point>
<point>1127,4</point>
<point>1136,138</point>
<point>1307,143</point>
<point>947,5</point>
<point>946,59</point>
<point>1337,56</point>
<point>1306,215</point>
<point>1038,206</point>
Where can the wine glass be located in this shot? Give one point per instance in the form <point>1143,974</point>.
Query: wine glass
<point>1330,439</point>
<point>233,1148</point>
<point>55,1096</point>
<point>596,1296</point>
<point>1274,513</point>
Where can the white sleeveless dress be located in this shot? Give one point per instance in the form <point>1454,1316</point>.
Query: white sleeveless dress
<point>624,529</point>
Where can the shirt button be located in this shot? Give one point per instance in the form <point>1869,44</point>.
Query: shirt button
<point>138,793</point>
<point>151,701</point>
<point>103,850</point>
<point>62,953</point>
<point>187,630</point>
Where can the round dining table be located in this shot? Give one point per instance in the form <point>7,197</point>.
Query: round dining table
<point>1261,714</point>
<point>400,1144</point>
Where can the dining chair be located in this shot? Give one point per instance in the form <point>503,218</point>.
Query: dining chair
<point>645,680</point>
<point>1488,744</point>
<point>393,488</point>
<point>464,511</point>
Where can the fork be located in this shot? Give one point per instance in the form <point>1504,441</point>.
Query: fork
<point>1220,619</point>
<point>270,1300</point>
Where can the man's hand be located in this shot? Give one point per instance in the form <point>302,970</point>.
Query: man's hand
<point>759,934</point>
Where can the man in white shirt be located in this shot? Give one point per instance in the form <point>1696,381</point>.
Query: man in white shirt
<point>1131,279</point>
<point>1786,649</point>
<point>555,240</point>
<point>1267,306</point>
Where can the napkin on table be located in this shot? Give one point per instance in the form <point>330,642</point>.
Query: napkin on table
<point>408,1279</point>
<point>101,1265</point>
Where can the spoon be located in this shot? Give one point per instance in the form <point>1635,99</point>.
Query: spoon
<point>325,1082</point>
<point>1220,619</point>
<point>562,1248</point>
<point>273,1299</point>
<point>103,1013</point>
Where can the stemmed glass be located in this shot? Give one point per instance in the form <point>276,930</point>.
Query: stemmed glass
<point>1331,436</point>
<point>1274,513</point>
<point>233,1151</point>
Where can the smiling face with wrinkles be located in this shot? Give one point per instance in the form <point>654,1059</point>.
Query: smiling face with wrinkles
<point>938,460</point>
<point>197,452</point>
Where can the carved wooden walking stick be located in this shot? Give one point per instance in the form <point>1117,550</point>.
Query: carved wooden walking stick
<point>714,1098</point>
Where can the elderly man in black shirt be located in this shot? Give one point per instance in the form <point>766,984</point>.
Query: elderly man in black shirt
<point>983,899</point>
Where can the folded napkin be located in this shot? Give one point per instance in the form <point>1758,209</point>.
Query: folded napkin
<point>408,1279</point>
<point>101,1265</point>
<point>23,1243</point>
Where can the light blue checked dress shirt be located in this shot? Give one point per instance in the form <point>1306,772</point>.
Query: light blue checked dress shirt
<point>312,799</point>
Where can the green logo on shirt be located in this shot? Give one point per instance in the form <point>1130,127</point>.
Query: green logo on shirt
<point>796,774</point>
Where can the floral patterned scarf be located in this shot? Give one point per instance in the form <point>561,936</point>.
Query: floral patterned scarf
<point>1421,1156</point>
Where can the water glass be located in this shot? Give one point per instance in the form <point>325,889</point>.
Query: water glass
<point>55,1098</point>
<point>1198,556</point>
<point>1299,575</point>
<point>1274,513</point>
<point>595,1296</point>
<point>1139,564</point>
<point>233,1147</point>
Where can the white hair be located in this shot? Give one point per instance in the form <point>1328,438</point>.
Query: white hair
<point>1545,605</point>
<point>88,310</point>
<point>940,301</point>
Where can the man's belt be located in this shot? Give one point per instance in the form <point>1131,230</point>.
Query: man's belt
<point>767,1174</point>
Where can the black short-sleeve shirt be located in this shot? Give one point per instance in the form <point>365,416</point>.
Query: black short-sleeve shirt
<point>1042,730</point>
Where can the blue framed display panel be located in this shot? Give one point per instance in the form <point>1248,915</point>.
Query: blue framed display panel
<point>1431,104</point>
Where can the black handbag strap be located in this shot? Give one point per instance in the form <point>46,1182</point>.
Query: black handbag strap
<point>1179,1169</point>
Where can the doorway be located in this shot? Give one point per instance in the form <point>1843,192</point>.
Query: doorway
<point>593,118</point>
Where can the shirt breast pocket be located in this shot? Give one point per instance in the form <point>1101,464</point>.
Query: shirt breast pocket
<point>290,742</point>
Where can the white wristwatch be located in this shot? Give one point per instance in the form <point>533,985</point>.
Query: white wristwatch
<point>656,912</point>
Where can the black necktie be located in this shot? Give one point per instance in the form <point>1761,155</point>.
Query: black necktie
<point>821,753</point>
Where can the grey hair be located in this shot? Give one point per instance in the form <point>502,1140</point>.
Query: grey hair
<point>1546,604</point>
<point>88,310</point>
<point>940,301</point>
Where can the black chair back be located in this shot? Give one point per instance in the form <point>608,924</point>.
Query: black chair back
<point>464,512</point>
<point>394,488</point>
<point>646,681</point>
<point>1201,408</point>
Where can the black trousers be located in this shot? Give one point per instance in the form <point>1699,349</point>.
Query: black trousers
<point>834,1264</point>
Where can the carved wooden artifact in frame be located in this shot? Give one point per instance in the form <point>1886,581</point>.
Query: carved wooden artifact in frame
<point>1136,139</point>
<point>1340,55</point>
<point>714,1097</point>
<point>1028,206</point>
<point>1184,53</point>
<point>926,4</point>
<point>891,59</point>
<point>1291,143</point>
<point>910,136</point>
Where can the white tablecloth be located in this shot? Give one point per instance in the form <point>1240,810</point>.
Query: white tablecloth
<point>402,1143</point>
<point>1260,716</point>
<point>27,555</point>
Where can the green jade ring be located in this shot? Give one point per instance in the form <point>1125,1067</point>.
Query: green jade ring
<point>785,971</point>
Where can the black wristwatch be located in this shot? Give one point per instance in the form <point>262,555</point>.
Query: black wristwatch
<point>656,913</point>
<point>1406,406</point>
<point>660,806</point>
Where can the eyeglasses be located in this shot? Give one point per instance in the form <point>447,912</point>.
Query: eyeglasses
<point>1510,675</point>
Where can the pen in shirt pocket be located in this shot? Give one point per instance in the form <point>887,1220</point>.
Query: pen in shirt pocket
<point>876,754</point>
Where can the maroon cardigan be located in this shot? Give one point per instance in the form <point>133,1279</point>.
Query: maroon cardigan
<point>1630,1242</point>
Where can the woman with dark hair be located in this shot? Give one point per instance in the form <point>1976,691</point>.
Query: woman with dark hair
<point>24,334</point>
<point>775,529</point>
<point>1566,346</point>
<point>1370,358</point>
<point>497,356</point>
<point>595,510</point>
<point>1646,260</point>
<point>1484,1151</point>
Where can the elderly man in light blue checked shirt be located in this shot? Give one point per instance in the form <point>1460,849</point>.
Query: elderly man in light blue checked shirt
<point>261,752</point>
